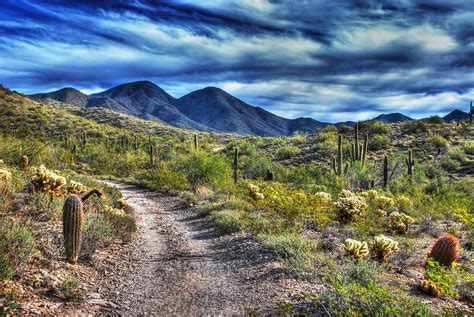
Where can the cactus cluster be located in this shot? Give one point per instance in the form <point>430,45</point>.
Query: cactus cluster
<point>255,192</point>
<point>445,250</point>
<point>5,175</point>
<point>400,222</point>
<point>356,249</point>
<point>381,247</point>
<point>73,215</point>
<point>48,182</point>
<point>359,151</point>
<point>323,198</point>
<point>350,206</point>
<point>430,287</point>
<point>75,188</point>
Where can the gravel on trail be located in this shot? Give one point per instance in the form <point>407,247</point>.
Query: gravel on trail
<point>181,265</point>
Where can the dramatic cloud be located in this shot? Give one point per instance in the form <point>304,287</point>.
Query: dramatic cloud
<point>330,60</point>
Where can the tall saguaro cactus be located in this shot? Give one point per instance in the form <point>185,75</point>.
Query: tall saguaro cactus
<point>385,172</point>
<point>196,141</point>
<point>339,155</point>
<point>364,149</point>
<point>410,162</point>
<point>236,165</point>
<point>471,112</point>
<point>356,142</point>
<point>73,215</point>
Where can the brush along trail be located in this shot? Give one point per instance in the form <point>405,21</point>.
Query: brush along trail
<point>180,264</point>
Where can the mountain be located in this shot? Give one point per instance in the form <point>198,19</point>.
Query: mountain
<point>221,111</point>
<point>392,118</point>
<point>208,109</point>
<point>67,95</point>
<point>146,100</point>
<point>456,115</point>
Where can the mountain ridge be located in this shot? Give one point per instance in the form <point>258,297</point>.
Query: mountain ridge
<point>207,109</point>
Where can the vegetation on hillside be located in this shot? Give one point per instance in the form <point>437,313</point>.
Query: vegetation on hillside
<point>364,231</point>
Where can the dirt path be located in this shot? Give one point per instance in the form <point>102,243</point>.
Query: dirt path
<point>180,265</point>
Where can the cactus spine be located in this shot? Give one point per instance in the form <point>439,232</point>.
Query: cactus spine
<point>445,250</point>
<point>196,141</point>
<point>236,165</point>
<point>385,172</point>
<point>72,227</point>
<point>410,162</point>
<point>24,162</point>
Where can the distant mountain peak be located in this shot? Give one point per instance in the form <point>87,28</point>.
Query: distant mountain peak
<point>392,118</point>
<point>456,115</point>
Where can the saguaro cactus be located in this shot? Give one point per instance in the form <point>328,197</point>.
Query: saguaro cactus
<point>236,165</point>
<point>364,149</point>
<point>84,139</point>
<point>196,141</point>
<point>356,143</point>
<point>339,155</point>
<point>72,227</point>
<point>410,162</point>
<point>385,171</point>
<point>151,153</point>
<point>24,162</point>
<point>471,111</point>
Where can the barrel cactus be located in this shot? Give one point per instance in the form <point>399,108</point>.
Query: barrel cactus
<point>24,162</point>
<point>381,247</point>
<point>73,215</point>
<point>445,250</point>
<point>356,249</point>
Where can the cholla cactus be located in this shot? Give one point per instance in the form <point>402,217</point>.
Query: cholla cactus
<point>384,202</point>
<point>113,211</point>
<point>2,164</point>
<point>356,249</point>
<point>381,247</point>
<point>255,192</point>
<point>400,221</point>
<point>122,204</point>
<point>350,206</point>
<point>75,188</point>
<point>430,287</point>
<point>5,175</point>
<point>404,203</point>
<point>48,182</point>
<point>323,198</point>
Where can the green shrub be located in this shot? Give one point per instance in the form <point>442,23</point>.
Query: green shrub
<point>17,247</point>
<point>442,276</point>
<point>376,127</point>
<point>468,147</point>
<point>378,142</point>
<point>98,233</point>
<point>286,152</point>
<point>257,166</point>
<point>228,220</point>
<point>438,142</point>
<point>202,168</point>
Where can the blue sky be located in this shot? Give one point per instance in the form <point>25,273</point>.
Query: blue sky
<point>329,60</point>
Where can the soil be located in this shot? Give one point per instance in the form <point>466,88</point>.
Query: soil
<point>180,264</point>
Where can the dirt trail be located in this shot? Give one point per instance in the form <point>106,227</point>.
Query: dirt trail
<point>180,265</point>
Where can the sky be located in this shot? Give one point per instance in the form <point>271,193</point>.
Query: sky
<point>330,60</point>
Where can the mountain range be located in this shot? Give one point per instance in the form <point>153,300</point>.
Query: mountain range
<point>208,109</point>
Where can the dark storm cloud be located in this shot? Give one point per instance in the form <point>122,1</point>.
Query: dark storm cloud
<point>332,60</point>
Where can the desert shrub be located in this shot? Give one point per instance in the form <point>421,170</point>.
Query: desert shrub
<point>245,148</point>
<point>448,164</point>
<point>297,253</point>
<point>377,127</point>
<point>98,233</point>
<point>434,120</point>
<point>343,128</point>
<point>43,206</point>
<point>202,168</point>
<point>165,179</point>
<point>228,220</point>
<point>123,223</point>
<point>299,139</point>
<point>438,142</point>
<point>17,247</point>
<point>70,290</point>
<point>257,166</point>
<point>188,199</point>
<point>327,138</point>
<point>287,152</point>
<point>378,142</point>
<point>442,276</point>
<point>415,126</point>
<point>468,147</point>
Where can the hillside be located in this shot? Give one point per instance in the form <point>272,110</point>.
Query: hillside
<point>392,118</point>
<point>456,115</point>
<point>268,235</point>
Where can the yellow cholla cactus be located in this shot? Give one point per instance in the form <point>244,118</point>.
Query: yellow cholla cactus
<point>2,164</point>
<point>48,182</point>
<point>404,203</point>
<point>400,221</point>
<point>255,192</point>
<point>113,211</point>
<point>5,175</point>
<point>75,188</point>
<point>381,247</point>
<point>430,287</point>
<point>323,198</point>
<point>356,249</point>
<point>122,204</point>
<point>350,206</point>
<point>383,202</point>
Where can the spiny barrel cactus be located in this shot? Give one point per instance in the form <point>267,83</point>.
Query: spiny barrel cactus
<point>356,249</point>
<point>445,250</point>
<point>24,162</point>
<point>73,215</point>
<point>381,247</point>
